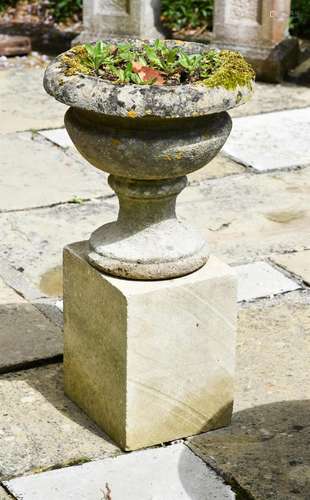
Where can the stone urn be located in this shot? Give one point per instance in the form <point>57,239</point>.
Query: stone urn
<point>148,138</point>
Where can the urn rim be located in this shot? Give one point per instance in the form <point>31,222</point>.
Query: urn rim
<point>139,101</point>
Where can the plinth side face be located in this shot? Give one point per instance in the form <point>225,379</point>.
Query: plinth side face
<point>148,138</point>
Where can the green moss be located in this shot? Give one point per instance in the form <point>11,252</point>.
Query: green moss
<point>75,61</point>
<point>233,71</point>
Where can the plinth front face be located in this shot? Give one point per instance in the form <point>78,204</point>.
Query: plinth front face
<point>150,362</point>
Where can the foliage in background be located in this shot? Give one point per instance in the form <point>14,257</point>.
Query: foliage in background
<point>300,18</point>
<point>7,3</point>
<point>64,9</point>
<point>179,14</point>
<point>59,10</point>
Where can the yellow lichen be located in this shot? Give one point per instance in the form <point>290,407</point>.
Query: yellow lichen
<point>132,114</point>
<point>76,61</point>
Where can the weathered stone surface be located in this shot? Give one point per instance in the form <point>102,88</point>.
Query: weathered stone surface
<point>26,336</point>
<point>260,279</point>
<point>64,178</point>
<point>297,263</point>
<point>234,212</point>
<point>267,448</point>
<point>14,45</point>
<point>168,351</point>
<point>264,142</point>
<point>41,428</point>
<point>24,104</point>
<point>220,166</point>
<point>241,223</point>
<point>137,101</point>
<point>37,242</point>
<point>148,142</point>
<point>268,98</point>
<point>141,475</point>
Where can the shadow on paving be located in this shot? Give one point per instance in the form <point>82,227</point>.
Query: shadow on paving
<point>266,451</point>
<point>27,338</point>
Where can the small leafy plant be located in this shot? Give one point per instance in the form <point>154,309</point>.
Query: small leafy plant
<point>157,64</point>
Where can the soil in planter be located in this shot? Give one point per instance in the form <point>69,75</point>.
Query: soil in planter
<point>158,64</point>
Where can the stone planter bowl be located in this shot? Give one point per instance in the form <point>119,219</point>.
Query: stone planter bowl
<point>148,138</point>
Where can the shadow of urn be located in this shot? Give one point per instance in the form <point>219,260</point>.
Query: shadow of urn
<point>148,138</point>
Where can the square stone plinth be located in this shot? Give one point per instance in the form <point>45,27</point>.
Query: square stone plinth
<point>150,362</point>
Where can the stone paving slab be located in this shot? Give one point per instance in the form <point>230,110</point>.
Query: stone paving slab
<point>41,428</point>
<point>34,240</point>
<point>269,97</point>
<point>297,263</point>
<point>267,448</point>
<point>25,104</point>
<point>135,476</point>
<point>260,279</point>
<point>248,217</point>
<point>245,218</point>
<point>58,136</point>
<point>271,141</point>
<point>37,173</point>
<point>26,336</point>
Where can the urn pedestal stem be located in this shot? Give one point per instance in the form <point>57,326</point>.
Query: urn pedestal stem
<point>147,241</point>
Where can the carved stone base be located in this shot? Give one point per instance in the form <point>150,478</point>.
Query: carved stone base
<point>150,361</point>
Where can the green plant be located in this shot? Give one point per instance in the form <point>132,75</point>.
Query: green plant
<point>64,9</point>
<point>4,4</point>
<point>157,63</point>
<point>179,14</point>
<point>300,18</point>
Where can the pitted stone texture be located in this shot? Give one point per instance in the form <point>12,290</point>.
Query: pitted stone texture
<point>220,166</point>
<point>163,348</point>
<point>41,428</point>
<point>297,263</point>
<point>43,164</point>
<point>136,101</point>
<point>24,104</point>
<point>135,476</point>
<point>265,142</point>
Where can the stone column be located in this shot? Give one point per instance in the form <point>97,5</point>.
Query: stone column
<point>136,18</point>
<point>259,30</point>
